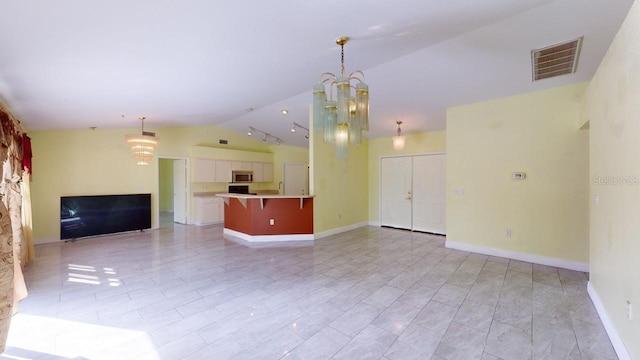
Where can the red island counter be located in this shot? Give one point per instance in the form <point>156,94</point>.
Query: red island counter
<point>261,218</point>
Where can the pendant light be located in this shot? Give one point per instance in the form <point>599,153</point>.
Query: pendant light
<point>142,145</point>
<point>398,140</point>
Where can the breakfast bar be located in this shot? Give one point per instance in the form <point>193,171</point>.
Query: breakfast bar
<point>262,218</point>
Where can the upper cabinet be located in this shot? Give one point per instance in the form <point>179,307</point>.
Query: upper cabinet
<point>262,172</point>
<point>223,171</point>
<point>216,164</point>
<point>267,172</point>
<point>205,170</point>
<point>240,165</point>
<point>256,167</point>
<point>209,170</point>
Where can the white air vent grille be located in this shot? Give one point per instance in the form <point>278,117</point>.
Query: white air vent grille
<point>556,60</point>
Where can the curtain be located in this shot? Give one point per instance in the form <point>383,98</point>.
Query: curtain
<point>13,247</point>
<point>13,202</point>
<point>6,275</point>
<point>29,252</point>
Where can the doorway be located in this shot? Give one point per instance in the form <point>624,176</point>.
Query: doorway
<point>173,191</point>
<point>412,192</point>
<point>295,179</point>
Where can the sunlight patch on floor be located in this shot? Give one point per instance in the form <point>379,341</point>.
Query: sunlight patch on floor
<point>72,339</point>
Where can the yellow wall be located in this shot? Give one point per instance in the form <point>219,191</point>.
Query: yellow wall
<point>535,133</point>
<point>340,186</point>
<point>287,154</point>
<point>421,143</point>
<point>612,108</point>
<point>165,171</point>
<point>81,162</point>
<point>84,162</point>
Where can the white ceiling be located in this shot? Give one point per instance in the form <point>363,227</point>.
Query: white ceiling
<point>73,64</point>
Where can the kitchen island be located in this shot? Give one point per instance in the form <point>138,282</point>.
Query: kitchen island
<point>261,218</point>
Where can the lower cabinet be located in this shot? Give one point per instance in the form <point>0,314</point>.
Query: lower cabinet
<point>209,210</point>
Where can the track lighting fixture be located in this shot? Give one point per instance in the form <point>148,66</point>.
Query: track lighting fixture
<point>295,125</point>
<point>265,135</point>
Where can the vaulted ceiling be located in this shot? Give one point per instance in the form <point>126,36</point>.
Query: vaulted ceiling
<point>74,64</point>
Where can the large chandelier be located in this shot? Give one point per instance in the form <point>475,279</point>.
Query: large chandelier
<point>142,145</point>
<point>342,120</point>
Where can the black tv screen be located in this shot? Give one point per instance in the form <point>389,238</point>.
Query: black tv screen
<point>82,216</point>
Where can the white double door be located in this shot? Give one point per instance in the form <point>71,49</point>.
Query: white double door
<point>412,193</point>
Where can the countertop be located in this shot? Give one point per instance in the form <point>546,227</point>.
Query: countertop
<point>265,196</point>
<point>207,193</point>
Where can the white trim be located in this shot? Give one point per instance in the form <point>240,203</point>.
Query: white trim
<point>340,230</point>
<point>374,223</point>
<point>267,238</point>
<point>46,240</point>
<point>532,258</point>
<point>207,224</point>
<point>616,341</point>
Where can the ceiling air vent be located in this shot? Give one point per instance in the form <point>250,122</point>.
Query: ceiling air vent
<point>556,60</point>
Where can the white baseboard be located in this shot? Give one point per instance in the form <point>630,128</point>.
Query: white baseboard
<point>267,238</point>
<point>532,258</point>
<point>616,341</point>
<point>374,223</point>
<point>339,230</point>
<point>207,224</point>
<point>46,240</point>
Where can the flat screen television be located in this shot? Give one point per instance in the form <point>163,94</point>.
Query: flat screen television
<point>82,216</point>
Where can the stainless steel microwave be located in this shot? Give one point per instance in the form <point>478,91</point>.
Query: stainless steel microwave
<point>243,176</point>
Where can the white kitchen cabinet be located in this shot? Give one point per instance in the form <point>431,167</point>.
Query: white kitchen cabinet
<point>267,172</point>
<point>257,168</point>
<point>262,172</point>
<point>209,210</point>
<point>240,165</point>
<point>223,171</point>
<point>205,170</point>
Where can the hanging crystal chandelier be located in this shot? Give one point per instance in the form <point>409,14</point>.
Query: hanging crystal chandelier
<point>342,120</point>
<point>142,145</point>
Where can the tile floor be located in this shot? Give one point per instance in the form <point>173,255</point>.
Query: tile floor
<point>185,292</point>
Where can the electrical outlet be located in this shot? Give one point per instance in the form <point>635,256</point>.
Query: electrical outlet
<point>507,232</point>
<point>271,222</point>
<point>629,313</point>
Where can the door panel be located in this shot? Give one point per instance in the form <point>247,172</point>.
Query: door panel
<point>395,192</point>
<point>428,212</point>
<point>295,179</point>
<point>180,191</point>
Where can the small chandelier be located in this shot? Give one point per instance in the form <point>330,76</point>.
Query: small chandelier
<point>342,120</point>
<point>142,145</point>
<point>398,140</point>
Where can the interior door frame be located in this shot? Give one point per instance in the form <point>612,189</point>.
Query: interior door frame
<point>380,178</point>
<point>156,204</point>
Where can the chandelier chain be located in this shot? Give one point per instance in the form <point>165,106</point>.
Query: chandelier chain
<point>342,59</point>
